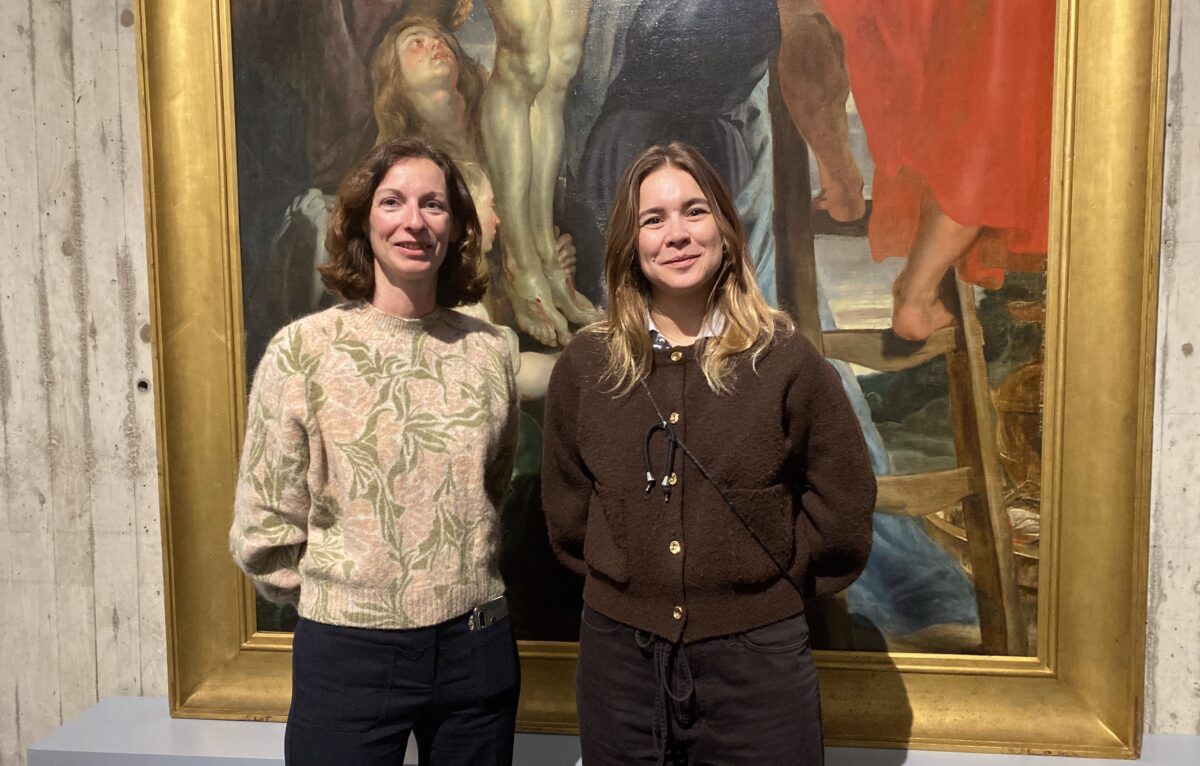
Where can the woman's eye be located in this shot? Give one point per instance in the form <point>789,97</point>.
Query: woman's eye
<point>651,221</point>
<point>435,204</point>
<point>389,202</point>
<point>696,212</point>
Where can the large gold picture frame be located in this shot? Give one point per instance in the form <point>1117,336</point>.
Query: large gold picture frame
<point>1081,693</point>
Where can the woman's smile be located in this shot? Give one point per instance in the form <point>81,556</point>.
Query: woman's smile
<point>409,225</point>
<point>681,261</point>
<point>679,245</point>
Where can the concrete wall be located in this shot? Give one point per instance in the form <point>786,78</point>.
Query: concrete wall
<point>1173,630</point>
<point>81,596</point>
<point>81,606</point>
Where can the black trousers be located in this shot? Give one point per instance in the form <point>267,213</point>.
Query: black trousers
<point>750,698</point>
<point>357,694</point>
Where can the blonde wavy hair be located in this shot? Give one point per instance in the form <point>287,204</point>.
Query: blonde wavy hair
<point>750,323</point>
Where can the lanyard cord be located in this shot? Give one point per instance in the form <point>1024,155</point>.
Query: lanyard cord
<point>674,441</point>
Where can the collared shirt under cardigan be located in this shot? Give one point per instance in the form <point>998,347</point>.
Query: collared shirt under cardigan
<point>786,449</point>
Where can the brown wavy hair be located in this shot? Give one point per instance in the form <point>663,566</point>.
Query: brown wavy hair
<point>395,115</point>
<point>349,271</point>
<point>750,322</point>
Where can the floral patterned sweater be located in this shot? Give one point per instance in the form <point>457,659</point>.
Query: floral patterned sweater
<point>377,451</point>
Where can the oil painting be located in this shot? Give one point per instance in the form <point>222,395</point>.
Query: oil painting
<point>944,196</point>
<point>891,162</point>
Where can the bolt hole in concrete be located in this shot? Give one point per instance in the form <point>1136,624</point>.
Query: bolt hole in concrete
<point>143,385</point>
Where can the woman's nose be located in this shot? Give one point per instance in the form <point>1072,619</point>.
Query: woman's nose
<point>676,231</point>
<point>412,219</point>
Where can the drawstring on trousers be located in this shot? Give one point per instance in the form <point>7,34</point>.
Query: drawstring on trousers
<point>674,689</point>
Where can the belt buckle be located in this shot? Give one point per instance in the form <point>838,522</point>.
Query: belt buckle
<point>488,613</point>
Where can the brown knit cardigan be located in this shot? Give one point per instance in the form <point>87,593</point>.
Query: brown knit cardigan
<point>786,449</point>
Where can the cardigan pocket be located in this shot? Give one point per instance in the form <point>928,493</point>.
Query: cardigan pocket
<point>769,513</point>
<point>604,542</point>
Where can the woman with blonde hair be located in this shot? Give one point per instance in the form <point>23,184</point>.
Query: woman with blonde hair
<point>704,471</point>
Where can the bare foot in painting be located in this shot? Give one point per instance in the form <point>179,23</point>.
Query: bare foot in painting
<point>841,197</point>
<point>916,313</point>
<point>941,242</point>
<point>917,321</point>
<point>534,310</point>
<point>575,307</point>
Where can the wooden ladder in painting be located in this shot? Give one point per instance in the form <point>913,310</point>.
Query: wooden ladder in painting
<point>977,482</point>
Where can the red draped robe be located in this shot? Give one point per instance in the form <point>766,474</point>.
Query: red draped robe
<point>955,97</point>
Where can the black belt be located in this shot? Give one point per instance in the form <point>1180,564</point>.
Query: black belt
<point>487,613</point>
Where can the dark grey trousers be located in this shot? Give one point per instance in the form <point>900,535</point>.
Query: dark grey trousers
<point>357,694</point>
<point>750,698</point>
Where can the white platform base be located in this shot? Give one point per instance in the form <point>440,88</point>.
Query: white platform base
<point>137,731</point>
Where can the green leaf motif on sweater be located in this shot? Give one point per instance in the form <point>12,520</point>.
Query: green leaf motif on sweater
<point>367,475</point>
<point>319,606</point>
<point>363,458</point>
<point>371,364</point>
<point>257,429</point>
<point>425,432</point>
<point>278,476</point>
<point>292,359</point>
<point>389,610</point>
<point>446,526</point>
<point>407,403</point>
<point>273,531</point>
<point>428,366</point>
<point>314,397</point>
<point>322,560</point>
<point>273,560</point>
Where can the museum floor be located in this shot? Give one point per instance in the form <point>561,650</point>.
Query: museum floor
<point>136,731</point>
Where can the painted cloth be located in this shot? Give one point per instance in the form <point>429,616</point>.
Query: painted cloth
<point>785,448</point>
<point>956,98</point>
<point>655,71</point>
<point>910,583</point>
<point>377,452</point>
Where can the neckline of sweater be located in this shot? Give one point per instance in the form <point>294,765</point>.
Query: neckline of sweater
<point>371,319</point>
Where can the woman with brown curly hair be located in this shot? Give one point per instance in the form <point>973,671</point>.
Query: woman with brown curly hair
<point>704,471</point>
<point>380,436</point>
